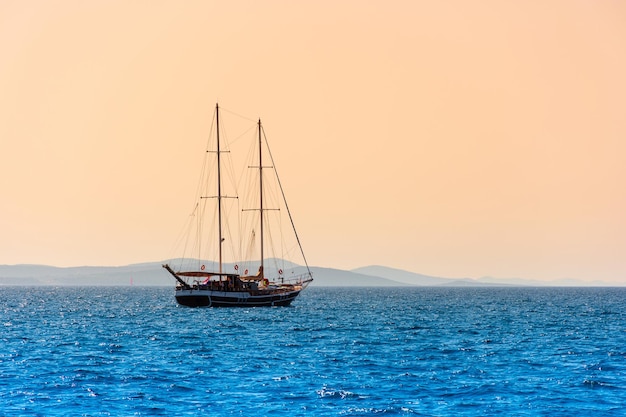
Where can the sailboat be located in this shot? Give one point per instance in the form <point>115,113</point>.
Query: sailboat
<point>232,285</point>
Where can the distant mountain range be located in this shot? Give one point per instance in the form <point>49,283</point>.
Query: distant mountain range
<point>151,274</point>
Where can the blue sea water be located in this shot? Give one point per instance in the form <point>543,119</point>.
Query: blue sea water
<point>334,352</point>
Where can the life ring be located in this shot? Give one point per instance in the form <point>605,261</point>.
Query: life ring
<point>280,272</point>
<point>236,267</point>
<point>245,272</point>
<point>202,267</point>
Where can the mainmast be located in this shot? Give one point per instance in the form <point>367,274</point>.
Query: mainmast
<point>219,185</point>
<point>261,193</point>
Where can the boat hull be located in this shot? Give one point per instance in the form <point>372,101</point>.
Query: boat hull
<point>208,298</point>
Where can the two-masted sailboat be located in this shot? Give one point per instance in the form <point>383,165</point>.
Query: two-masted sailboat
<point>231,285</point>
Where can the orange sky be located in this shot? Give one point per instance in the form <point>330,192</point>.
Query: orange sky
<point>454,138</point>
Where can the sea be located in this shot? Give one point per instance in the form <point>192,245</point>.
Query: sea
<point>131,351</point>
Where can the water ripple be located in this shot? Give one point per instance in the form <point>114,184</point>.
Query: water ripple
<point>356,352</point>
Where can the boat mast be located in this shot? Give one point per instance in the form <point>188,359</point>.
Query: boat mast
<point>261,195</point>
<point>219,185</point>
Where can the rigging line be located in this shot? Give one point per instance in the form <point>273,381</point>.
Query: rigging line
<point>231,142</point>
<point>230,174</point>
<point>229,231</point>
<point>238,255</point>
<point>210,253</point>
<point>250,248</point>
<point>245,181</point>
<point>282,240</point>
<point>269,238</point>
<point>199,234</point>
<point>238,115</point>
<point>280,185</point>
<point>205,162</point>
<point>186,232</point>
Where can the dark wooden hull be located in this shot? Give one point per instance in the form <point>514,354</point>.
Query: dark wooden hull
<point>208,298</point>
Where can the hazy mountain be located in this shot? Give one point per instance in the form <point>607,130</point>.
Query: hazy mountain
<point>151,274</point>
<point>564,282</point>
<point>426,280</point>
<point>328,277</point>
<point>148,274</point>
<point>406,277</point>
<point>412,278</point>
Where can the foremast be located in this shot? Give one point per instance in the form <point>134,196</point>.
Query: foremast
<point>262,209</point>
<point>305,282</point>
